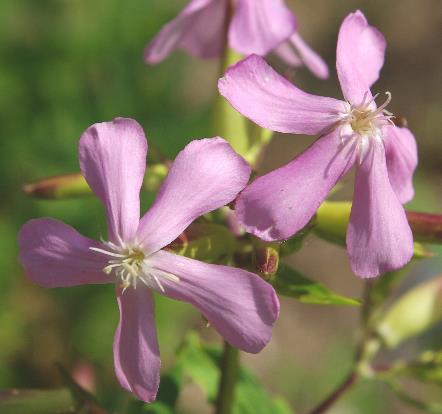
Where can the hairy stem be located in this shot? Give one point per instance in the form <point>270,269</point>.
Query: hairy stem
<point>336,394</point>
<point>229,375</point>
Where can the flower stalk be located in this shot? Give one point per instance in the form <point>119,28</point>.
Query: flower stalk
<point>336,394</point>
<point>227,384</point>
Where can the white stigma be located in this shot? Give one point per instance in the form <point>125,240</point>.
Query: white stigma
<point>130,264</point>
<point>365,122</point>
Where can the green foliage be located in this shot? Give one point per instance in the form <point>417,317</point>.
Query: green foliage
<point>72,399</point>
<point>406,397</point>
<point>415,312</point>
<point>37,402</point>
<point>289,282</point>
<point>201,364</point>
<point>426,368</point>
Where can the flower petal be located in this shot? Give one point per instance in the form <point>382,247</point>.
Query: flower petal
<point>113,161</point>
<point>288,55</point>
<point>309,57</point>
<point>278,204</point>
<point>379,238</point>
<point>55,255</point>
<point>401,152</point>
<point>190,31</point>
<point>258,26</point>
<point>239,304</point>
<point>359,56</point>
<point>255,90</point>
<point>206,175</point>
<point>136,353</point>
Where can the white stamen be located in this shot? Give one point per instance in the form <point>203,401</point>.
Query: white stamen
<point>364,122</point>
<point>129,263</point>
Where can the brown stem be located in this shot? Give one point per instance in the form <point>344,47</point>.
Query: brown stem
<point>336,394</point>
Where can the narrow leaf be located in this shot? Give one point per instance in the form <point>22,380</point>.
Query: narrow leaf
<point>289,282</point>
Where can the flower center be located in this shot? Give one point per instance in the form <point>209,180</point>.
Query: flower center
<point>129,264</point>
<point>365,121</point>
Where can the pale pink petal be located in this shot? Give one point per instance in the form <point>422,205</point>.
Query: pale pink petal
<point>379,238</point>
<point>113,161</point>
<point>197,29</point>
<point>278,204</point>
<point>359,57</point>
<point>255,90</point>
<point>258,26</point>
<point>309,57</point>
<point>238,304</point>
<point>136,354</point>
<point>55,255</point>
<point>287,54</point>
<point>206,175</point>
<point>401,152</point>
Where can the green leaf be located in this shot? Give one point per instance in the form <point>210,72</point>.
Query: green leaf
<point>251,398</point>
<point>158,407</point>
<point>201,364</point>
<point>288,282</point>
<point>412,314</point>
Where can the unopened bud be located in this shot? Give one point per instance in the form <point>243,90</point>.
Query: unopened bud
<point>426,227</point>
<point>415,312</point>
<point>74,185</point>
<point>267,259</point>
<point>208,242</point>
<point>332,219</point>
<point>59,186</point>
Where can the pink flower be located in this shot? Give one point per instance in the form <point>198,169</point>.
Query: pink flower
<point>354,131</point>
<point>206,175</point>
<point>257,26</point>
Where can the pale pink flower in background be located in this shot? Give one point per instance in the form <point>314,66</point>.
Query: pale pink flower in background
<point>206,175</point>
<point>354,132</point>
<point>257,26</point>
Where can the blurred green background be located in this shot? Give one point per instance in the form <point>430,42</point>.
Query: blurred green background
<point>66,64</point>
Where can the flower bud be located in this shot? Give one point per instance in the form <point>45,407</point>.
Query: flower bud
<point>59,186</point>
<point>332,219</point>
<point>267,259</point>
<point>74,185</point>
<point>205,241</point>
<point>426,227</point>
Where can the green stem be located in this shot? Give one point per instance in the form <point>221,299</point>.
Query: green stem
<point>229,375</point>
